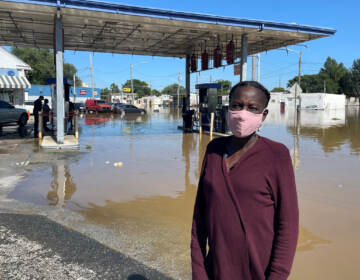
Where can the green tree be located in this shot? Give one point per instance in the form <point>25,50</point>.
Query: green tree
<point>328,79</point>
<point>331,74</point>
<point>42,64</point>
<point>278,89</point>
<point>355,78</point>
<point>69,72</point>
<point>141,88</point>
<point>309,83</point>
<point>172,90</point>
<point>104,93</point>
<point>114,88</point>
<point>225,86</point>
<point>155,92</point>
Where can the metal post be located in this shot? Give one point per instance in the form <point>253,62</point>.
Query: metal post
<point>299,76</point>
<point>92,77</point>
<point>258,68</point>
<point>187,81</point>
<point>253,68</point>
<point>132,84</point>
<point>74,88</point>
<point>178,91</point>
<point>244,54</point>
<point>60,110</point>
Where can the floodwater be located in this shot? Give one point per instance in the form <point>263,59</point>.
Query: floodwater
<point>149,199</point>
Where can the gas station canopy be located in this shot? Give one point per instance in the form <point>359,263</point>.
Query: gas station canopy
<point>115,28</point>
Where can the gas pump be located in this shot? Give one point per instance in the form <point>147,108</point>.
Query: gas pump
<point>68,83</point>
<point>210,102</point>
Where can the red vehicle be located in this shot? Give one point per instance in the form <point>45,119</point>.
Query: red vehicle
<point>95,119</point>
<point>97,105</point>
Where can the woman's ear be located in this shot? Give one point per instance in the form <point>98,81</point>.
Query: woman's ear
<point>265,113</point>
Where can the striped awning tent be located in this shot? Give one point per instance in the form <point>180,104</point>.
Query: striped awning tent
<point>14,82</point>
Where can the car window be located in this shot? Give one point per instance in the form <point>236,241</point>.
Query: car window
<point>100,102</point>
<point>4,104</point>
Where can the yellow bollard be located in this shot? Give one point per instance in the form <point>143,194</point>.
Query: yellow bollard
<point>211,124</point>
<point>200,124</point>
<point>40,126</point>
<point>76,126</point>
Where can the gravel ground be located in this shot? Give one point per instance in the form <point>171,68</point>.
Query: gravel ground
<point>33,247</point>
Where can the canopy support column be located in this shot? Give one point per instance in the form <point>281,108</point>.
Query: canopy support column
<point>244,54</point>
<point>187,81</point>
<point>60,109</point>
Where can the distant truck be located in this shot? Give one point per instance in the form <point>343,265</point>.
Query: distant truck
<point>97,106</point>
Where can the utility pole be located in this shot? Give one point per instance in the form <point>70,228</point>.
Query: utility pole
<point>299,74</point>
<point>258,68</point>
<point>132,84</point>
<point>74,87</point>
<point>178,89</point>
<point>92,77</point>
<point>253,68</point>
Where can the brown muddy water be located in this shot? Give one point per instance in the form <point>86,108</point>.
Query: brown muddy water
<point>149,198</point>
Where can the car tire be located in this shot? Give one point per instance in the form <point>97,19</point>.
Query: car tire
<point>23,120</point>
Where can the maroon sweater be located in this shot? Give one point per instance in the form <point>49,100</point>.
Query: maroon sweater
<point>248,215</point>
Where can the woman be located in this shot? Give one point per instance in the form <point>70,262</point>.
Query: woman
<point>246,207</point>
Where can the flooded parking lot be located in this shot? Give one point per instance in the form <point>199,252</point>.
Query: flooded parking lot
<point>137,178</point>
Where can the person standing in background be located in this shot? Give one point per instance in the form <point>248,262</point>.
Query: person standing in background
<point>37,109</point>
<point>46,112</point>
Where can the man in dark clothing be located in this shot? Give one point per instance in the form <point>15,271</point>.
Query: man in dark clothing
<point>37,109</point>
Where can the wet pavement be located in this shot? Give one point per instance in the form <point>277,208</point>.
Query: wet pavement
<point>143,206</point>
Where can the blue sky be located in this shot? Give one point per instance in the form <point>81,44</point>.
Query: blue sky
<point>276,66</point>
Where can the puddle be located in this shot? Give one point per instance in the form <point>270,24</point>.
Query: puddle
<point>149,198</point>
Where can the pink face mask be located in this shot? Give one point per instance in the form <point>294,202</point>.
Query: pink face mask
<point>243,123</point>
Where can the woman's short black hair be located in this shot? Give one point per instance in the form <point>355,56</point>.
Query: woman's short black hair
<point>253,84</point>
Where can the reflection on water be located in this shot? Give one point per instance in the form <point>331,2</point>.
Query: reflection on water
<point>62,184</point>
<point>150,198</point>
<point>308,241</point>
<point>331,128</point>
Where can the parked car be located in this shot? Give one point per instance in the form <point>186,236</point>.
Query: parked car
<point>126,108</point>
<point>28,106</point>
<point>9,114</point>
<point>97,105</point>
<point>116,107</point>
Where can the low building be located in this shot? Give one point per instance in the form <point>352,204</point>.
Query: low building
<point>310,101</point>
<point>13,81</point>
<point>121,97</point>
<point>82,93</point>
<point>155,102</point>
